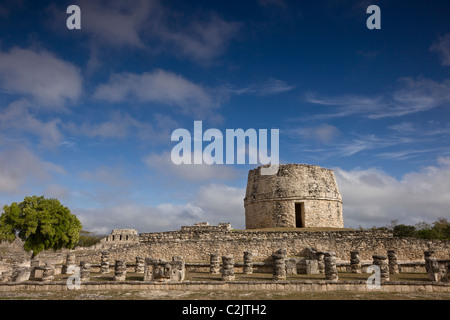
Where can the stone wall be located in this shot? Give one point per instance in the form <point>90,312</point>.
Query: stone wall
<point>196,244</point>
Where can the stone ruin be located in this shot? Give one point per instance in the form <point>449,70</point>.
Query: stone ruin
<point>104,266</point>
<point>18,274</point>
<point>164,271</point>
<point>228,268</point>
<point>355,262</point>
<point>298,196</point>
<point>214,263</point>
<point>437,271</point>
<point>160,270</point>
<point>85,271</point>
<point>70,265</point>
<point>279,265</point>
<point>120,270</point>
<point>248,262</point>
<point>331,272</point>
<point>381,262</point>
<point>121,236</point>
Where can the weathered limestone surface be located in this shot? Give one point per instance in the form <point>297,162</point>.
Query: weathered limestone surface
<point>393,262</point>
<point>18,274</point>
<point>197,245</point>
<point>49,273</point>
<point>33,265</point>
<point>437,271</point>
<point>355,262</point>
<point>120,270</point>
<point>248,262</point>
<point>312,267</point>
<point>291,266</point>
<point>140,265</point>
<point>381,261</point>
<point>279,264</point>
<point>228,268</point>
<point>69,267</point>
<point>320,262</point>
<point>122,236</point>
<point>104,267</point>
<point>85,271</point>
<point>164,271</point>
<point>331,272</point>
<point>270,199</point>
<point>214,263</point>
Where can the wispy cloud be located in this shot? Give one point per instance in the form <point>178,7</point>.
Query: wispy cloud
<point>119,23</point>
<point>410,96</point>
<point>19,119</point>
<point>323,133</point>
<point>201,40</point>
<point>20,169</point>
<point>270,87</point>
<point>161,87</point>
<point>190,172</point>
<point>155,27</point>
<point>356,144</point>
<point>122,125</point>
<point>442,47</point>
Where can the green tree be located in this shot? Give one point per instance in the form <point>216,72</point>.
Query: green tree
<point>403,230</point>
<point>442,228</point>
<point>41,223</point>
<point>88,239</point>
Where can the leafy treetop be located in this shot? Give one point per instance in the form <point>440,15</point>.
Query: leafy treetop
<point>41,223</point>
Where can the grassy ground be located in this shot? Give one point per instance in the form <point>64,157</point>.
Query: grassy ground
<point>216,295</point>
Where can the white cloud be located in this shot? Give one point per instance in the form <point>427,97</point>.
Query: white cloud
<point>372,197</point>
<point>56,191</point>
<point>222,203</point>
<point>200,40</point>
<point>109,176</point>
<point>49,80</point>
<point>19,117</point>
<point>122,125</point>
<point>442,46</point>
<point>193,172</point>
<point>271,87</point>
<point>20,169</point>
<point>324,133</point>
<point>153,26</point>
<point>404,127</point>
<point>410,96</point>
<point>118,22</point>
<point>212,203</point>
<point>159,86</point>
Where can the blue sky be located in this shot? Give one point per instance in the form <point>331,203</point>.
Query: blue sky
<point>86,115</point>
